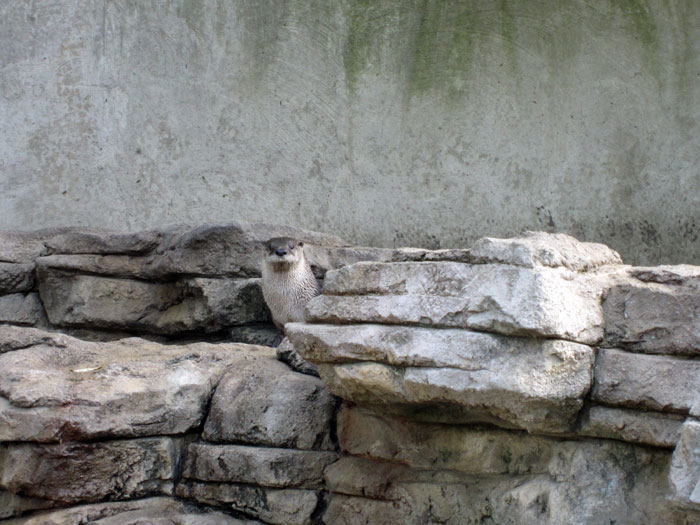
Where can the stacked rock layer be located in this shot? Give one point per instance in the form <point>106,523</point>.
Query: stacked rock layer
<point>526,380</point>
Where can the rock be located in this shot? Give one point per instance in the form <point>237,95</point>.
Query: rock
<point>14,505</point>
<point>23,309</point>
<point>268,467</point>
<point>16,277</point>
<point>88,472</point>
<point>348,510</point>
<point>509,300</point>
<point>270,405</point>
<point>532,249</point>
<point>19,337</point>
<point>649,382</point>
<point>475,372</point>
<point>274,506</point>
<point>124,266</point>
<point>61,388</point>
<point>646,428</point>
<point>151,511</point>
<point>188,305</point>
<point>231,249</point>
<point>263,335</point>
<point>104,242</point>
<point>684,474</point>
<point>656,311</point>
<point>21,247</point>
<point>422,255</point>
<point>288,355</point>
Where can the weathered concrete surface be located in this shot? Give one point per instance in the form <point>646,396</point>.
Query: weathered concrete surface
<point>110,106</point>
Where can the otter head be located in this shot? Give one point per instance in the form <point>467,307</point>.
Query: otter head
<point>281,253</point>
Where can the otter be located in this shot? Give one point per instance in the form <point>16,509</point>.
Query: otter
<point>287,280</point>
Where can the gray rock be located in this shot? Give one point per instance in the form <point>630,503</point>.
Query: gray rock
<point>61,388</point>
<point>104,242</point>
<point>18,337</point>
<point>349,510</point>
<point>22,309</point>
<point>684,474</point>
<point>14,505</point>
<point>660,383</point>
<point>268,404</point>
<point>646,428</point>
<point>264,335</point>
<point>532,249</point>
<point>541,302</point>
<point>124,266</point>
<point>197,304</point>
<point>422,255</point>
<point>656,311</point>
<point>22,247</point>
<point>151,511</point>
<point>273,506</point>
<point>268,467</point>
<point>16,277</point>
<point>288,354</point>
<point>532,384</point>
<point>88,472</point>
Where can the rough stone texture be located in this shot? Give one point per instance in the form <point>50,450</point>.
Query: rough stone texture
<point>500,298</point>
<point>208,305</point>
<point>274,506</point>
<point>23,309</point>
<point>12,505</point>
<point>272,406</point>
<point>151,511</point>
<point>685,468</point>
<point>656,310</point>
<point>268,467</point>
<point>646,428</point>
<point>16,277</point>
<point>58,387</point>
<point>533,249</point>
<point>644,381</point>
<point>88,472</point>
<point>537,385</point>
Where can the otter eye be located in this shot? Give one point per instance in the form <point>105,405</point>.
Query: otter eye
<point>301,243</point>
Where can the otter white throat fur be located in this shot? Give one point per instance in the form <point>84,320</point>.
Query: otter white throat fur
<point>287,280</point>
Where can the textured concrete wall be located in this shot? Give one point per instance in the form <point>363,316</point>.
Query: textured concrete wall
<point>391,122</point>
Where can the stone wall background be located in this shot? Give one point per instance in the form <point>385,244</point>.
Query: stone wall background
<point>403,122</point>
<point>527,380</point>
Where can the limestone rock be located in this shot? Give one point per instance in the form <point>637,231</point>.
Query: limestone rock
<point>16,277</point>
<point>541,302</point>
<point>532,249</point>
<point>646,428</point>
<point>289,355</point>
<point>271,405</point>
<point>14,505</point>
<point>151,511</point>
<point>55,387</point>
<point>533,384</point>
<point>268,467</point>
<point>273,506</point>
<point>123,266</point>
<point>263,335</point>
<point>197,304</point>
<point>684,474</point>
<point>422,255</point>
<point>649,382</point>
<point>104,242</point>
<point>21,247</point>
<point>22,309</point>
<point>349,510</point>
<point>657,311</point>
<point>88,472</point>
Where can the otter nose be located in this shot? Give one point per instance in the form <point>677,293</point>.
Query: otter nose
<point>280,252</point>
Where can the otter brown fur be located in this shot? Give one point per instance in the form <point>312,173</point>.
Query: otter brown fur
<point>287,280</point>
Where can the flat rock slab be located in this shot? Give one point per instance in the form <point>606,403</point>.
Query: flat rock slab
<point>187,305</point>
<point>273,506</point>
<point>16,277</point>
<point>55,387</point>
<point>151,511</point>
<point>509,300</point>
<point>88,472</point>
<point>684,474</point>
<point>655,310</point>
<point>13,505</point>
<point>532,384</point>
<point>271,406</point>
<point>650,382</point>
<point>267,467</point>
<point>22,309</point>
<point>532,249</point>
<point>645,428</point>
